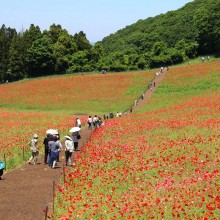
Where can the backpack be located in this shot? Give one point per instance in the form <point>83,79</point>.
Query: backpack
<point>32,144</point>
<point>2,165</point>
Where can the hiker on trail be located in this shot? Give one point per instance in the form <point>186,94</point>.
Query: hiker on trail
<point>203,59</point>
<point>34,149</point>
<point>142,96</point>
<point>78,123</point>
<point>120,114</point>
<point>46,147</point>
<point>154,84</point>
<point>117,115</point>
<point>75,137</point>
<point>135,102</point>
<point>54,147</point>
<point>104,117</point>
<point>150,86</point>
<point>95,122</point>
<point>131,109</point>
<point>60,146</point>
<point>69,148</point>
<point>161,69</point>
<point>89,122</point>
<point>2,167</point>
<point>111,115</point>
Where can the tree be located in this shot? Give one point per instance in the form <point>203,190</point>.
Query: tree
<point>40,57</point>
<point>78,61</point>
<point>81,41</point>
<point>16,65</point>
<point>54,32</point>
<point>6,36</point>
<point>63,49</point>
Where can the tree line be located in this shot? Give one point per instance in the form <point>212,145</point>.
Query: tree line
<point>33,53</point>
<point>165,39</point>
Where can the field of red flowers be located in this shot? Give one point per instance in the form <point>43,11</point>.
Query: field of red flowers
<point>159,164</point>
<point>18,127</point>
<point>102,93</point>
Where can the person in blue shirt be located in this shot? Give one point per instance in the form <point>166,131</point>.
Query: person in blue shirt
<point>2,167</point>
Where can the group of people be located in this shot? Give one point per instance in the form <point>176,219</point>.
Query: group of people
<point>53,146</point>
<point>94,122</point>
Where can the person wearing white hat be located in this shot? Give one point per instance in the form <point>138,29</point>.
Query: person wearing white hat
<point>69,148</point>
<point>34,149</point>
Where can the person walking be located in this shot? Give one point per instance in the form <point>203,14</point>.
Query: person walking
<point>69,148</point>
<point>54,147</point>
<point>150,86</point>
<point>2,167</point>
<point>89,122</point>
<point>78,123</point>
<point>46,147</point>
<point>95,122</point>
<point>75,137</point>
<point>60,146</point>
<point>34,149</point>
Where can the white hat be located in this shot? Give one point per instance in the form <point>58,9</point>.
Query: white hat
<point>35,136</point>
<point>68,137</point>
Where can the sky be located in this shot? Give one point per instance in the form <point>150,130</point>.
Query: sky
<point>96,18</point>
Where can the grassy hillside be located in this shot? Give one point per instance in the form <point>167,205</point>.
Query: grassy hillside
<point>183,83</point>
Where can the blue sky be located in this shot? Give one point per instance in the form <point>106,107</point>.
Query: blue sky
<point>97,18</point>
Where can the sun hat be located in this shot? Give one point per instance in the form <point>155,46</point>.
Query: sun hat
<point>68,137</point>
<point>35,136</point>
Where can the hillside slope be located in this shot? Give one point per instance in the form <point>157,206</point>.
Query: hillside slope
<point>197,21</point>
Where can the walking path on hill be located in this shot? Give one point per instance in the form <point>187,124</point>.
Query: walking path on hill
<point>26,191</point>
<point>148,93</point>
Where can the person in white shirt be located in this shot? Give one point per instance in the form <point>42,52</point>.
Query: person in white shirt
<point>95,121</point>
<point>69,148</point>
<point>34,148</point>
<point>78,122</point>
<point>89,122</point>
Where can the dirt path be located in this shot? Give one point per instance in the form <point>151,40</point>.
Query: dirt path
<point>25,192</point>
<point>148,93</point>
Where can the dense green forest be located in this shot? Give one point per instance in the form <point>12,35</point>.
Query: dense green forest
<point>156,41</point>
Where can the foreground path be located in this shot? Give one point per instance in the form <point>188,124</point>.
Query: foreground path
<point>148,93</point>
<point>26,191</point>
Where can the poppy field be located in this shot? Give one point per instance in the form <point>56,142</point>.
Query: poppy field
<point>33,106</point>
<point>79,94</point>
<point>17,129</point>
<point>161,163</point>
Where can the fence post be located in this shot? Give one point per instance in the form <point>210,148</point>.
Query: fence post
<point>53,196</point>
<point>64,175</point>
<point>5,162</point>
<point>46,212</point>
<point>23,152</point>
